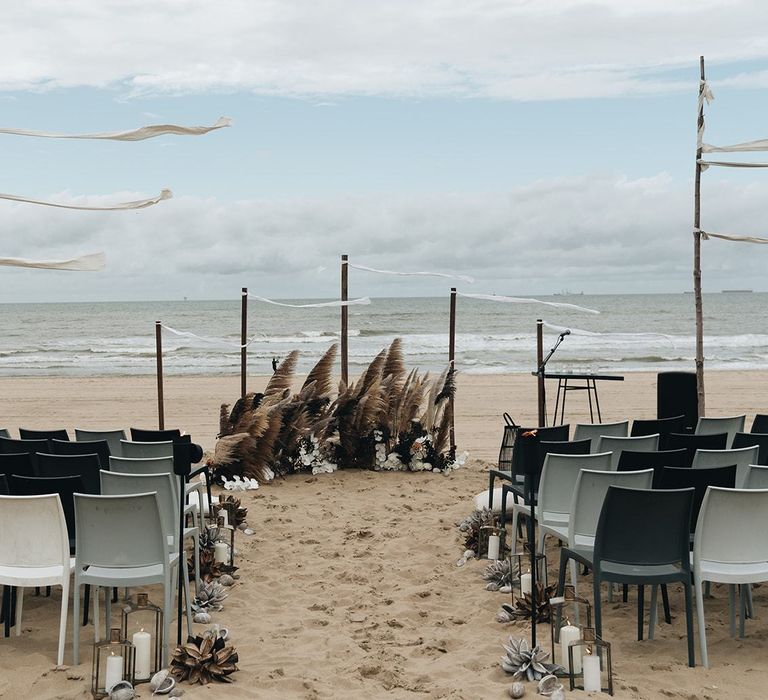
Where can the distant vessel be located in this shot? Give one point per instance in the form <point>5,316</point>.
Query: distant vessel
<point>737,291</point>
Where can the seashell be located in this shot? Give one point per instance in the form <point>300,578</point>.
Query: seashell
<point>558,694</point>
<point>505,589</point>
<point>165,685</point>
<point>491,586</point>
<point>516,690</point>
<point>176,693</point>
<point>549,684</point>
<point>469,554</point>
<point>461,562</point>
<point>202,617</point>
<point>157,680</point>
<point>503,616</point>
<point>122,690</point>
<point>226,580</point>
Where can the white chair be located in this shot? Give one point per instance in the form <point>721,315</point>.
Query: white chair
<point>724,424</point>
<point>35,551</point>
<point>610,443</point>
<point>593,431</point>
<point>741,457</point>
<point>730,546</point>
<point>112,437</point>
<point>145,449</point>
<point>757,477</point>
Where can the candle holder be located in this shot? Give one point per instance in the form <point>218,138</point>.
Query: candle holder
<point>113,661</point>
<point>596,673</point>
<point>574,610</point>
<point>487,547</point>
<point>142,622</point>
<point>221,533</point>
<point>522,580</point>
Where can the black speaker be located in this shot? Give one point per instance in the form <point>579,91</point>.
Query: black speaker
<point>676,395</point>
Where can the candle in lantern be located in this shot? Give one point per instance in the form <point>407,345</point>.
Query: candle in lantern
<point>220,553</point>
<point>143,643</point>
<point>591,665</point>
<point>223,512</point>
<point>494,543</point>
<point>114,670</point>
<point>525,584</point>
<point>569,633</point>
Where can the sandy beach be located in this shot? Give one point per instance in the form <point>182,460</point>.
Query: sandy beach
<point>349,587</point>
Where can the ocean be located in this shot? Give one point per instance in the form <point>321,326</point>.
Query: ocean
<point>632,333</point>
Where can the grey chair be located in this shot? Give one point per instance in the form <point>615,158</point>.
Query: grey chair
<point>726,424</point>
<point>144,450</point>
<point>121,541</point>
<point>757,477</point>
<point>112,437</point>
<point>741,457</point>
<point>609,443</point>
<point>593,431</point>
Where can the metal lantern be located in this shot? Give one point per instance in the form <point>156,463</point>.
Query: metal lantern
<point>220,534</point>
<point>113,661</point>
<point>590,663</point>
<point>566,614</point>
<point>142,623</point>
<point>487,547</point>
<point>523,579</point>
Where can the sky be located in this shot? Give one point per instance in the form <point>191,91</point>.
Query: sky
<point>537,146</point>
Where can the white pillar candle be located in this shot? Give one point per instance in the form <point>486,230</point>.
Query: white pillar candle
<point>114,671</point>
<point>223,513</point>
<point>525,584</point>
<point>591,673</point>
<point>143,642</point>
<point>493,546</point>
<point>220,553</point>
<point>569,633</point>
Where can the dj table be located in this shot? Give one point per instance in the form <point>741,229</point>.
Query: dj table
<point>586,382</point>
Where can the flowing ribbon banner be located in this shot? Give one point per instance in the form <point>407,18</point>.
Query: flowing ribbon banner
<point>524,300</point>
<point>140,134</point>
<point>93,262</point>
<point>138,204</point>
<point>593,334</point>
<point>362,301</point>
<point>706,235</point>
<point>461,278</point>
<point>215,341</point>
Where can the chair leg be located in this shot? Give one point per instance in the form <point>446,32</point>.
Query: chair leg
<point>689,623</point>
<point>732,608</point>
<point>86,603</point>
<point>640,605</point>
<point>19,606</point>
<point>63,618</point>
<point>625,592</point>
<point>598,607</point>
<point>96,615</point>
<point>7,610</point>
<point>700,619</point>
<point>167,595</point>
<point>76,619</point>
<point>47,591</point>
<point>107,613</point>
<point>750,603</point>
<point>742,609</point>
<point>196,558</point>
<point>665,603</point>
<point>575,583</point>
<point>708,590</point>
<point>187,600</point>
<point>654,610</point>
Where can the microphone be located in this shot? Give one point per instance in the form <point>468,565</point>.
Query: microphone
<point>567,331</point>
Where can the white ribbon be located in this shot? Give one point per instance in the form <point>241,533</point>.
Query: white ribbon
<point>759,145</point>
<point>523,300</point>
<point>216,341</point>
<point>144,132</point>
<point>706,235</point>
<point>85,263</point>
<point>139,204</point>
<point>461,278</point>
<point>349,302</point>
<point>579,331</point>
<point>730,164</point>
<point>705,93</point>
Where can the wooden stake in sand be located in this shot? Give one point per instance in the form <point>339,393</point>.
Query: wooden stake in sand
<point>243,339</point>
<point>344,320</point>
<point>452,363</point>
<point>697,253</point>
<point>542,397</point>
<point>159,354</point>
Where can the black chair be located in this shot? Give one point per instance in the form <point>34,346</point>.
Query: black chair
<point>20,464</point>
<point>676,394</point>
<point>99,447</point>
<point>631,461</point>
<point>4,486</point>
<point>4,432</point>
<point>662,426</point>
<point>760,424</point>
<point>643,538</point>
<point>691,443</point>
<point>85,466</point>
<point>750,439</point>
<point>139,435</point>
<point>26,434</point>
<point>32,447</point>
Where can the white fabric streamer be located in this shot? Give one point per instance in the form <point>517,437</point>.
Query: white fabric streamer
<point>85,263</point>
<point>139,204</point>
<point>747,146</point>
<point>706,235</point>
<point>730,164</point>
<point>523,300</point>
<point>705,93</point>
<point>320,304</point>
<point>461,278</point>
<point>579,331</point>
<point>216,341</point>
<point>144,132</point>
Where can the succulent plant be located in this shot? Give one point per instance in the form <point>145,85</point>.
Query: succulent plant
<point>526,663</point>
<point>204,659</point>
<point>240,512</point>
<point>210,596</point>
<point>524,606</point>
<point>498,572</point>
<point>471,525</point>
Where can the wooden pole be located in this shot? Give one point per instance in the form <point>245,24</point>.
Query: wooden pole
<point>542,398</point>
<point>452,363</point>
<point>159,353</point>
<point>344,320</point>
<point>697,255</point>
<point>243,340</point>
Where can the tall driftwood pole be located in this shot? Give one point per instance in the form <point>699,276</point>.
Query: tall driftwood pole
<point>344,320</point>
<point>452,364</point>
<point>542,397</point>
<point>243,340</point>
<point>697,253</point>
<point>159,353</point>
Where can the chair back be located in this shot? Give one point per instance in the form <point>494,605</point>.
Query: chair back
<point>507,444</point>
<point>593,431</point>
<point>732,527</point>
<point>144,450</point>
<point>741,457</point>
<point>727,424</point>
<point>119,531</point>
<point>27,434</point>
<point>676,394</point>
<point>112,437</point>
<point>565,447</point>
<point>32,447</point>
<point>644,527</point>
<point>757,477</point>
<point>609,443</point>
<point>35,532</point>
<point>750,439</point>
<point>4,490</point>
<point>699,480</point>
<point>141,435</point>
<point>656,460</point>
<point>20,464</point>
<point>138,465</point>
<point>691,443</point>
<point>89,447</point>
<point>589,493</point>
<point>558,480</point>
<point>4,432</point>
<point>662,426</point>
<point>760,423</point>
<point>85,466</point>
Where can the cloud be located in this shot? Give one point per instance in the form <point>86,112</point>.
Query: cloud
<point>500,49</point>
<point>599,233</point>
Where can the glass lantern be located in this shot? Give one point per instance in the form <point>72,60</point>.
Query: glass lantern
<point>590,664</point>
<point>142,623</point>
<point>491,542</point>
<point>566,614</point>
<point>113,661</point>
<point>220,533</point>
<point>523,580</point>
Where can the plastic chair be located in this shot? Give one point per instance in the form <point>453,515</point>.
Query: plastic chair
<point>85,466</point>
<point>644,443</point>
<point>643,538</point>
<point>592,431</point>
<point>113,438</point>
<point>656,460</point>
<point>4,491</point>
<point>691,443</point>
<point>757,477</point>
<point>760,423</point>
<point>741,457</point>
<point>676,394</point>
<point>4,432</point>
<point>120,542</point>
<point>715,425</point>
<point>20,464</point>
<point>141,435</point>
<point>31,447</point>
<point>750,439</point>
<point>730,546</point>
<point>144,450</point>
<point>35,551</point>
<point>662,426</point>
<point>60,434</point>
<point>98,447</point>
